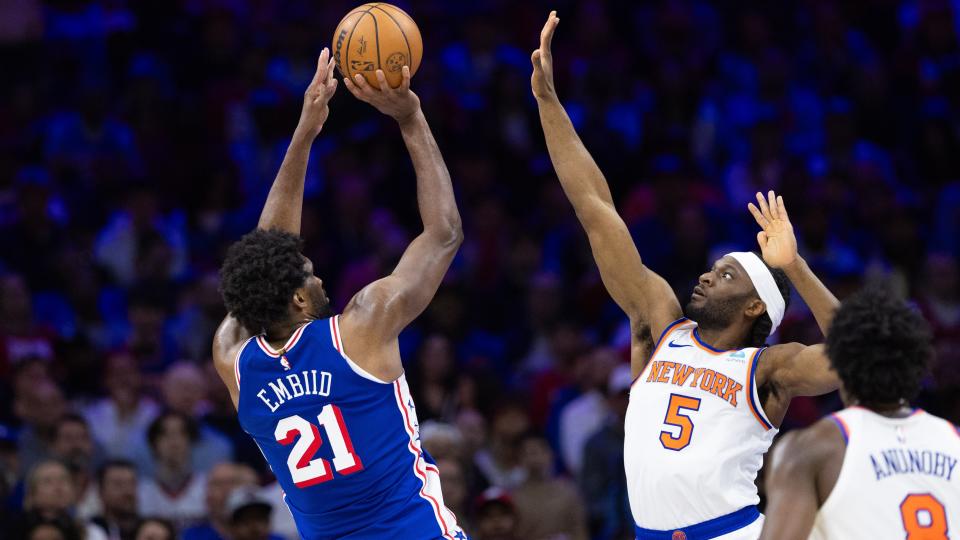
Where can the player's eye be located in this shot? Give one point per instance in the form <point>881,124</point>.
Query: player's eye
<point>727,275</point>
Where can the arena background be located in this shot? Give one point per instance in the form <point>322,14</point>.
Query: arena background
<point>139,139</point>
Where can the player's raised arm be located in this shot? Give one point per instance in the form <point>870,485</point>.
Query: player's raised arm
<point>376,315</point>
<point>285,202</point>
<point>792,369</point>
<point>645,297</point>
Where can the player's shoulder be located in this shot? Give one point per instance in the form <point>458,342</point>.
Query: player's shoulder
<point>230,336</point>
<point>809,447</point>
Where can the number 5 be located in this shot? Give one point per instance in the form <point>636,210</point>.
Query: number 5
<point>677,419</point>
<point>933,526</point>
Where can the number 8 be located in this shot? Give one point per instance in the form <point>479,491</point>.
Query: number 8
<point>910,510</point>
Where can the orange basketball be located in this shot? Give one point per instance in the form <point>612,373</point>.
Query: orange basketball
<point>377,36</point>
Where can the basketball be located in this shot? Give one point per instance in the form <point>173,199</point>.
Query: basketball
<point>377,36</point>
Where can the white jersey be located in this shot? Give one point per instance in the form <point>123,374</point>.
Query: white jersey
<point>899,479</point>
<point>695,435</point>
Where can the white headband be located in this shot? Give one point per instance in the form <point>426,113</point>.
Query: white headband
<point>766,286</point>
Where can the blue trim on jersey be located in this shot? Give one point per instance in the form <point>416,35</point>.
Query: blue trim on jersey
<point>696,336</point>
<point>843,428</point>
<point>753,376</point>
<point>706,530</point>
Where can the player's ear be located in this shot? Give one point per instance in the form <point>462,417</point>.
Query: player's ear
<point>299,299</point>
<point>755,308</point>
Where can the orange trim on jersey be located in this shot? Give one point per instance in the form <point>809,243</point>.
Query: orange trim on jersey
<point>663,337</point>
<point>704,347</point>
<point>843,427</point>
<point>750,385</point>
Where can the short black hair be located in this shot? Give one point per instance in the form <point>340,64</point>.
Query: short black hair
<point>115,463</point>
<point>167,526</point>
<point>762,326</point>
<point>259,276</point>
<point>879,346</point>
<point>156,427</point>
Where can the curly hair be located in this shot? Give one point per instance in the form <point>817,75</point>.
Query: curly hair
<point>259,276</point>
<point>762,326</point>
<point>879,346</point>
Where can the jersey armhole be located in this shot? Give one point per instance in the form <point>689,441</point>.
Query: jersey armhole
<point>663,336</point>
<point>237,359</point>
<point>839,486</point>
<point>338,345</point>
<point>753,397</point>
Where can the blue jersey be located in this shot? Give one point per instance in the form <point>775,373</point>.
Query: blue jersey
<point>345,446</point>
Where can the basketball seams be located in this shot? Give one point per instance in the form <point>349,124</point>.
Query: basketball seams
<point>376,35</point>
<point>346,57</point>
<point>402,33</point>
<point>400,13</point>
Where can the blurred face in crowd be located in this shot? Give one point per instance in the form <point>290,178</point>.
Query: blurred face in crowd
<point>252,523</point>
<point>123,380</point>
<point>496,521</point>
<point>453,483</point>
<point>221,480</point>
<point>510,423</point>
<point>173,445</point>
<point>152,530</point>
<point>14,300</point>
<point>118,491</point>
<point>536,457</point>
<point>436,359</point>
<point>46,532</point>
<point>40,405</point>
<point>49,488</point>
<point>73,444</point>
<point>184,388</point>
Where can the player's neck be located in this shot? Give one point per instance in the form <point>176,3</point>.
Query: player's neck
<point>722,339</point>
<point>896,409</point>
<point>278,334</point>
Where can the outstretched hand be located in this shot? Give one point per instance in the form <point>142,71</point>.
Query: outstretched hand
<point>400,103</point>
<point>542,79</point>
<point>317,96</point>
<point>778,243</point>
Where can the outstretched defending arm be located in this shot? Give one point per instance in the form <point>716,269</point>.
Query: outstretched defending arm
<point>284,204</point>
<point>376,315</point>
<point>646,298</point>
<point>792,369</point>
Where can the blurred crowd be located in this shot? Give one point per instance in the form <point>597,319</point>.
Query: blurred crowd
<point>139,139</point>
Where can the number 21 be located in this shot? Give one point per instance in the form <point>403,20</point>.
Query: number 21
<point>305,470</point>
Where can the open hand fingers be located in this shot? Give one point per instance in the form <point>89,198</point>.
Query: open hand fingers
<point>757,215</point>
<point>782,208</point>
<point>321,75</point>
<point>405,83</point>
<point>772,204</point>
<point>764,209</point>
<point>351,87</point>
<point>382,80</point>
<point>546,35</point>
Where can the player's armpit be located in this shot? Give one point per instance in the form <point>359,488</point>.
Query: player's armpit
<point>227,340</point>
<point>793,481</point>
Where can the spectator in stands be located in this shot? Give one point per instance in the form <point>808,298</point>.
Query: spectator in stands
<point>185,391</point>
<point>176,491</point>
<point>155,529</point>
<point>39,404</point>
<point>495,516</point>
<point>249,515</point>
<point>222,479</point>
<point>117,483</point>
<point>546,505</point>
<point>583,416</point>
<point>73,446</point>
<point>603,483</point>
<point>453,482</point>
<point>119,421</point>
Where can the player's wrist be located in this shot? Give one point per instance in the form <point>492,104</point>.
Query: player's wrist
<point>410,118</point>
